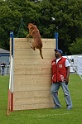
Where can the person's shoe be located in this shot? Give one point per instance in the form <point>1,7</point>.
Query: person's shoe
<point>56,107</point>
<point>69,108</point>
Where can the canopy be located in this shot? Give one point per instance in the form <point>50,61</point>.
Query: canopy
<point>79,65</point>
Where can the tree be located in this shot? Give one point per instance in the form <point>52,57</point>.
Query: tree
<point>29,12</point>
<point>50,16</point>
<point>76,47</point>
<point>7,24</point>
<point>67,20</point>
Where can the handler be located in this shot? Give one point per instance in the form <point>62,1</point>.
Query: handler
<point>60,77</point>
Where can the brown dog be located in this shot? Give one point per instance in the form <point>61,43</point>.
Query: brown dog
<point>34,32</point>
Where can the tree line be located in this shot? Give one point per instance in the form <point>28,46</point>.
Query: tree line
<point>50,16</point>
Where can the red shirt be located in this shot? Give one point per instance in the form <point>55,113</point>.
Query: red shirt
<point>59,71</point>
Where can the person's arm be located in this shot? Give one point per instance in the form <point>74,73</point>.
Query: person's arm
<point>68,73</point>
<point>51,71</point>
<point>67,64</point>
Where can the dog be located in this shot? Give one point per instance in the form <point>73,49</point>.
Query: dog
<point>37,43</point>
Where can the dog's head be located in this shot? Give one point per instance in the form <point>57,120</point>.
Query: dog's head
<point>30,25</point>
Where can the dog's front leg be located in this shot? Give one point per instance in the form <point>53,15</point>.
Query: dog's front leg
<point>27,35</point>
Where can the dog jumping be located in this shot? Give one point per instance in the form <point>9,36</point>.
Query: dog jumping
<point>37,43</point>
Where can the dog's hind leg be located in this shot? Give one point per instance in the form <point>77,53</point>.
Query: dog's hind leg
<point>32,46</point>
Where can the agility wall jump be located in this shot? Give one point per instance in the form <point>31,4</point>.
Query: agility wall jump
<point>31,75</point>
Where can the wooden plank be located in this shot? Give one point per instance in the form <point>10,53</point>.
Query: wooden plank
<point>32,62</point>
<point>42,94</point>
<point>26,52</point>
<point>35,71</point>
<point>22,107</point>
<point>35,56</point>
<point>33,101</point>
<point>32,66</point>
<point>32,94</point>
<point>42,100</point>
<point>29,53</point>
<point>33,106</point>
<point>24,94</point>
<point>22,101</point>
<point>24,43</point>
<point>44,105</point>
<point>32,79</point>
<point>29,87</point>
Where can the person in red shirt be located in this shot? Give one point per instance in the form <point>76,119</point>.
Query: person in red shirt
<point>60,77</point>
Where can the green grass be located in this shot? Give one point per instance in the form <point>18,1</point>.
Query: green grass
<point>44,116</point>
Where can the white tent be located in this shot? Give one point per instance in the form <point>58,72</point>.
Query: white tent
<point>79,66</point>
<point>76,64</point>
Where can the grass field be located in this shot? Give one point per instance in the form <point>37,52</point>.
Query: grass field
<point>44,116</point>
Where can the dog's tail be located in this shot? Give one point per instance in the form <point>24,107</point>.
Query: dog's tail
<point>41,53</point>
